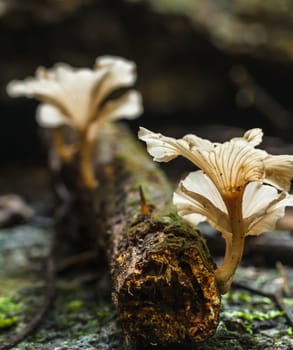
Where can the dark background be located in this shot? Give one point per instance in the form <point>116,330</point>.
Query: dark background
<point>183,64</point>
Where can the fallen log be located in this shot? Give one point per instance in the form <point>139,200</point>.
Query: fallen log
<point>163,281</point>
<point>164,286</point>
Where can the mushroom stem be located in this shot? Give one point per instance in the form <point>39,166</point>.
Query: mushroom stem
<point>234,250</point>
<point>65,152</point>
<point>85,162</point>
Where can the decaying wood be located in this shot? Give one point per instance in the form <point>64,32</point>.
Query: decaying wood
<point>163,281</point>
<point>164,286</point>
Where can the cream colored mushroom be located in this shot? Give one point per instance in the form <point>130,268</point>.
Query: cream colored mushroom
<point>239,190</point>
<point>80,98</point>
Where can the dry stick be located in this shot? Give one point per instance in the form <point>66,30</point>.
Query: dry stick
<point>37,319</point>
<point>164,286</point>
<point>84,257</point>
<point>275,297</point>
<point>285,282</point>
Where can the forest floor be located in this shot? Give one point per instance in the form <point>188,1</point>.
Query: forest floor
<point>82,315</point>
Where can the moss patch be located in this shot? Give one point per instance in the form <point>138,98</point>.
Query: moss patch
<point>75,306</point>
<point>9,309</point>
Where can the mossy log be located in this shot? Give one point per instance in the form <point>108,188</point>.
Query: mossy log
<point>164,286</point>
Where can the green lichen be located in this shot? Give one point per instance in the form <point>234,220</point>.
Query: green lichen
<point>8,312</point>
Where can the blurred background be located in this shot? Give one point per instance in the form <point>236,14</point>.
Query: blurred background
<point>211,67</point>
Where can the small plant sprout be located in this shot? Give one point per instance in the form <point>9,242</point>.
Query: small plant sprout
<point>83,100</point>
<point>239,190</point>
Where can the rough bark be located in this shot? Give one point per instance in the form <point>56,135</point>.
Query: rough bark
<point>163,281</point>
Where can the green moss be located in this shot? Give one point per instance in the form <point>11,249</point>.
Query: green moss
<point>8,321</point>
<point>104,313</point>
<point>247,316</point>
<point>237,297</point>
<point>288,302</point>
<point>75,305</point>
<point>255,317</point>
<point>8,310</point>
<point>250,316</point>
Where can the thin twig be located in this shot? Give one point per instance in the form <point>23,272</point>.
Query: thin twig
<point>86,256</point>
<point>284,278</point>
<point>276,297</point>
<point>35,322</point>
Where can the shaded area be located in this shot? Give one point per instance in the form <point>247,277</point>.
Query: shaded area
<point>184,76</point>
<point>83,316</point>
<point>184,60</point>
